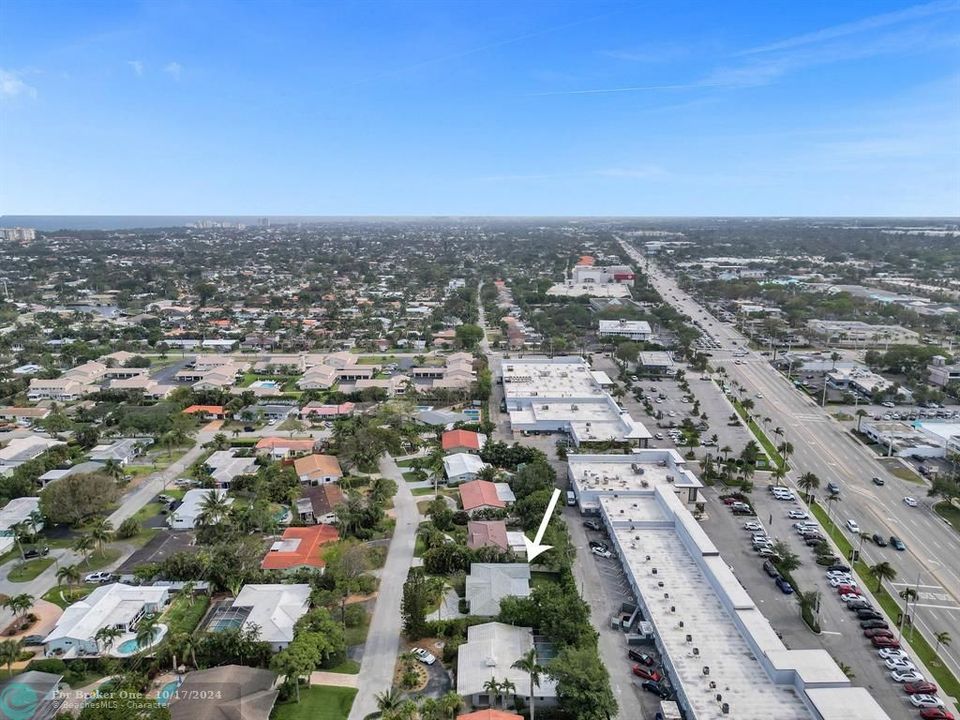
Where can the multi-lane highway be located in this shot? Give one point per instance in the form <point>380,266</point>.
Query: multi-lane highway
<point>931,563</point>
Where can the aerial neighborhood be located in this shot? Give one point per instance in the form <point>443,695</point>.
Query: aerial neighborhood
<point>482,470</point>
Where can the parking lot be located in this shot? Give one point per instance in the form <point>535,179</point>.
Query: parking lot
<point>840,635</point>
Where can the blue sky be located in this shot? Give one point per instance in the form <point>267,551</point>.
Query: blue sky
<point>488,108</point>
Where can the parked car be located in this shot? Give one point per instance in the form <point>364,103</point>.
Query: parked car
<point>869,615</point>
<point>770,570</point>
<point>752,525</point>
<point>874,624</point>
<point>33,640</point>
<point>97,577</point>
<point>601,552</point>
<point>640,657</point>
<point>899,662</point>
<point>858,604</point>
<point>840,567</point>
<point>647,673</point>
<point>896,543</point>
<point>785,587</point>
<point>926,701</point>
<point>427,658</point>
<point>797,515</point>
<point>891,654</point>
<point>36,552</point>
<point>920,688</point>
<point>166,499</point>
<point>936,714</point>
<point>592,524</point>
<point>597,545</point>
<point>656,688</point>
<point>878,632</point>
<point>906,676</point>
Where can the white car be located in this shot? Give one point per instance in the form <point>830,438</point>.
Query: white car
<point>785,497</point>
<point>839,580</point>
<point>850,597</point>
<point>797,515</point>
<point>910,501</point>
<point>902,664</point>
<point>888,653</point>
<point>601,552</point>
<point>427,658</point>
<point>926,701</point>
<point>852,526</point>
<point>905,676</point>
<point>97,577</point>
<point>752,525</point>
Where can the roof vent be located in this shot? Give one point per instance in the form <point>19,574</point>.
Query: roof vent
<point>725,708</point>
<point>653,572</point>
<point>673,608</point>
<point>706,671</point>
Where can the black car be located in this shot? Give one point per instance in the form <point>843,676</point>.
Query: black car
<point>597,545</point>
<point>873,624</point>
<point>592,524</point>
<point>868,614</point>
<point>812,541</point>
<point>248,428</point>
<point>878,540</point>
<point>839,568</point>
<point>640,657</point>
<point>855,605</point>
<point>36,552</point>
<point>33,640</point>
<point>877,480</point>
<point>769,569</point>
<point>656,688</point>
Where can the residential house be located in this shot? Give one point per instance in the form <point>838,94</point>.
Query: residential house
<point>279,447</point>
<point>29,414</point>
<point>462,441</point>
<point>462,467</point>
<point>318,469</point>
<point>187,514</point>
<point>61,389</point>
<point>123,451</point>
<point>145,385</point>
<point>300,547</point>
<point>393,385</point>
<point>491,650</point>
<point>318,504</point>
<point>490,714</point>
<point>229,691</point>
<point>321,411</point>
<point>275,412</point>
<point>274,609</point>
<point>483,494</point>
<point>494,533</point>
<point>84,468</point>
<point>224,467</point>
<point>116,605</point>
<point>489,583</point>
<point>23,510</point>
<point>22,449</point>
<point>206,412</point>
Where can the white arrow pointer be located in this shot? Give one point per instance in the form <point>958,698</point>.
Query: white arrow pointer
<point>535,548</point>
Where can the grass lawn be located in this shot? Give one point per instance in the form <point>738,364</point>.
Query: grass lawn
<point>29,570</point>
<point>148,511</point>
<point>422,491</point>
<point>63,596</point>
<point>768,447</point>
<point>185,613</point>
<point>405,463</point>
<point>100,559</point>
<point>413,476</point>
<point>357,635</point>
<point>905,474</point>
<point>539,579</point>
<point>347,667</point>
<point>949,512</point>
<point>320,702</point>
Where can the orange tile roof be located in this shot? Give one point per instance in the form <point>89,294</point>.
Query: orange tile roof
<point>489,714</point>
<point>319,465</point>
<point>270,443</point>
<point>300,547</point>
<point>586,260</point>
<point>205,409</point>
<point>480,493</point>
<point>487,533</point>
<point>460,439</point>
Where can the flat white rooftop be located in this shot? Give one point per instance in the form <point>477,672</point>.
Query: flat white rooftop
<point>549,379</point>
<point>638,471</point>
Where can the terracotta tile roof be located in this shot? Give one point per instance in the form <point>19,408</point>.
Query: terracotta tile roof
<point>318,466</point>
<point>487,533</point>
<point>480,493</point>
<point>460,439</point>
<point>271,443</point>
<point>586,260</point>
<point>205,409</point>
<point>300,547</point>
<point>489,714</point>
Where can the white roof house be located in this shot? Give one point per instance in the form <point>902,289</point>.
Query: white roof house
<point>490,651</point>
<point>20,450</point>
<point>275,609</point>
<point>489,583</point>
<point>16,511</point>
<point>185,517</point>
<point>461,467</point>
<point>224,466</point>
<point>115,605</point>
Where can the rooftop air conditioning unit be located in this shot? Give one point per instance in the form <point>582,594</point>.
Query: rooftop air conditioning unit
<point>653,572</point>
<point>660,584</point>
<point>706,671</point>
<point>725,708</point>
<point>690,639</point>
<point>670,478</point>
<point>673,608</point>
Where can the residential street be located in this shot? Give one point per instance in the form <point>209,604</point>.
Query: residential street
<point>383,640</point>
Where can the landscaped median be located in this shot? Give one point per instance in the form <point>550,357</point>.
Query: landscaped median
<point>768,447</point>
<point>946,679</point>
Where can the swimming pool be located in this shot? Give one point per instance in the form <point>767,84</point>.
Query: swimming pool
<point>167,692</point>
<point>129,647</point>
<point>266,384</point>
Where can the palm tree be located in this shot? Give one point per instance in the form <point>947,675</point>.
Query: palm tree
<point>389,700</point>
<point>83,545</point>
<point>19,605</point>
<point>528,664</point>
<point>847,670</point>
<point>19,531</point>
<point>831,501</point>
<point>942,638</point>
<point>507,688</point>
<point>779,473</point>
<point>106,637</point>
<point>808,482</point>
<point>725,451</point>
<point>785,449</point>
<point>909,595</point>
<point>69,574</point>
<point>450,704</point>
<point>861,414</point>
<point>493,688</point>
<point>147,630</point>
<point>114,469</point>
<point>213,508</point>
<point>883,571</point>
<point>102,532</point>
<point>807,601</point>
<point>9,653</point>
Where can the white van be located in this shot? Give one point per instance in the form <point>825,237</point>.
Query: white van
<point>571,498</point>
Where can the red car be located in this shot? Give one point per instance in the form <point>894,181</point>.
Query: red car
<point>729,500</point>
<point>878,632</point>
<point>920,688</point>
<point>885,641</point>
<point>936,714</point>
<point>848,590</point>
<point>647,674</point>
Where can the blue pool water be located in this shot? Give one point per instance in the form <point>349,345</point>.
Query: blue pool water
<point>128,646</point>
<point>265,384</point>
<point>167,692</point>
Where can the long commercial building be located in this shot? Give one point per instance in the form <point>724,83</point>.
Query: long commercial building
<point>718,650</point>
<point>562,395</point>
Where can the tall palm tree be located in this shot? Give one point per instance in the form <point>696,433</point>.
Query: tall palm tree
<point>528,664</point>
<point>450,704</point>
<point>213,508</point>
<point>147,631</point>
<point>883,571</point>
<point>808,482</point>
<point>102,532</point>
<point>779,473</point>
<point>20,531</point>
<point>106,637</point>
<point>83,545</point>
<point>831,501</point>
<point>942,638</point>
<point>507,688</point>
<point>69,574</point>
<point>9,653</point>
<point>908,595</point>
<point>493,688</point>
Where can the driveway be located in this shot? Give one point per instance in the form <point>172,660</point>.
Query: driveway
<point>383,640</point>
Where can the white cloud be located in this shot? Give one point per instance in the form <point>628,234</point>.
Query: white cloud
<point>11,85</point>
<point>137,66</point>
<point>174,69</point>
